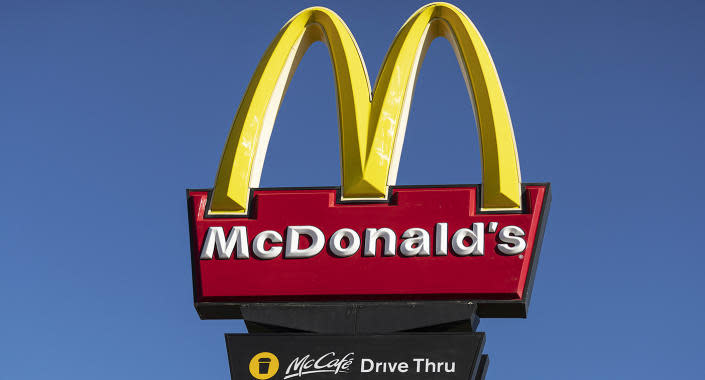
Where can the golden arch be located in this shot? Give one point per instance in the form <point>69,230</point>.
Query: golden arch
<point>371,128</point>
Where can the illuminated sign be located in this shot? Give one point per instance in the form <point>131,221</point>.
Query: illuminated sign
<point>368,239</point>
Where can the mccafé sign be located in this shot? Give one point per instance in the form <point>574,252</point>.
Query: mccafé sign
<point>368,239</point>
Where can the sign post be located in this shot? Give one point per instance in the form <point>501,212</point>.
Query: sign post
<point>369,276</point>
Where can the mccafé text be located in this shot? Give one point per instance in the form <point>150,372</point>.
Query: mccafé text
<point>346,242</point>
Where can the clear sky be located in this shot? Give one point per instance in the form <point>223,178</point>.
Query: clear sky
<point>109,110</point>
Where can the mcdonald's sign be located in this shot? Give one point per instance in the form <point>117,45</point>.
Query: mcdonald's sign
<point>368,239</point>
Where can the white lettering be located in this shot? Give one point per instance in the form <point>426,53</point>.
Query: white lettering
<point>364,363</point>
<point>511,236</point>
<point>477,235</point>
<point>336,240</point>
<point>428,366</point>
<point>371,236</point>
<point>369,365</point>
<point>325,364</point>
<point>441,239</point>
<point>417,243</point>
<point>418,364</point>
<point>301,242</point>
<point>263,237</point>
<point>215,238</point>
<point>292,250</point>
<point>403,367</point>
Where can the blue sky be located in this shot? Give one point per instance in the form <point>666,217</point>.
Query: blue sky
<point>109,110</point>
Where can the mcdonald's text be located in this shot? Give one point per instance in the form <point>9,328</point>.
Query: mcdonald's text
<point>302,242</point>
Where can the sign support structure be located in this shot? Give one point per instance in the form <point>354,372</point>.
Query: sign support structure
<point>367,279</point>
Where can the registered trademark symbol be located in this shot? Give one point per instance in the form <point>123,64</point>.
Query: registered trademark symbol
<point>521,256</point>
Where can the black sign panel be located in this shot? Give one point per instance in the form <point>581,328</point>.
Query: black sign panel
<point>413,356</point>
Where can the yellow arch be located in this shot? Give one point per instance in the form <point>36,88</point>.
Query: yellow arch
<point>371,129</point>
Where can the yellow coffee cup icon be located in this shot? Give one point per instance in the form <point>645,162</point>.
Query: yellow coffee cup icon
<point>264,365</point>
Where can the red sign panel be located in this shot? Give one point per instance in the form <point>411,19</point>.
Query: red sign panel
<point>425,243</point>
